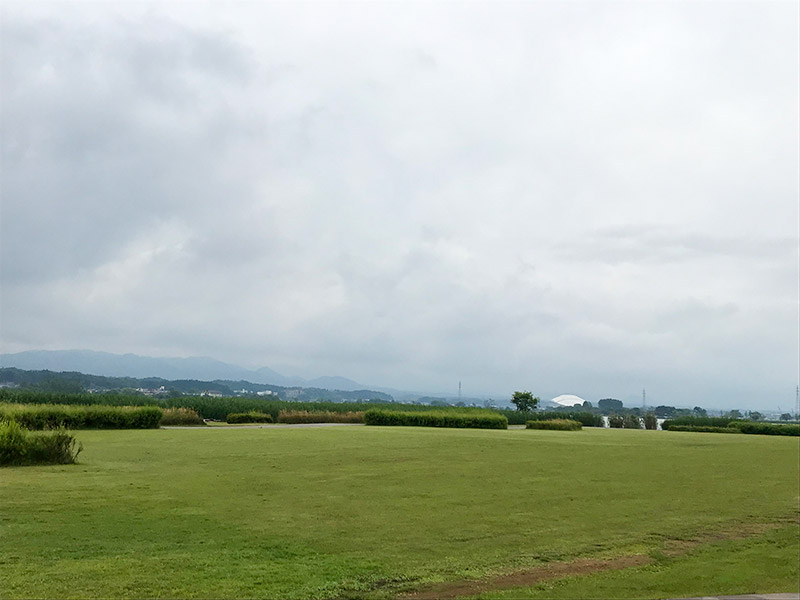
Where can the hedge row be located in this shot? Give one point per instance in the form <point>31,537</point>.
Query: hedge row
<point>766,428</point>
<point>219,408</point>
<point>319,416</point>
<point>435,419</point>
<point>249,417</point>
<point>704,429</point>
<point>556,424</point>
<point>697,422</point>
<point>586,419</point>
<point>19,446</point>
<point>749,427</point>
<point>47,416</point>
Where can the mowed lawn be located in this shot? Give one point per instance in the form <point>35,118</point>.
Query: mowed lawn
<point>375,512</point>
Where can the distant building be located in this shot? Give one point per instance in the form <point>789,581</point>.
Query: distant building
<point>568,400</point>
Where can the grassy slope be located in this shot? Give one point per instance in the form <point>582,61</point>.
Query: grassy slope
<point>320,512</point>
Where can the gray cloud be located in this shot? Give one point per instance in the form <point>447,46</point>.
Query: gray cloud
<point>577,198</point>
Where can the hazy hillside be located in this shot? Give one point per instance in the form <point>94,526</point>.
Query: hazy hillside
<point>131,365</point>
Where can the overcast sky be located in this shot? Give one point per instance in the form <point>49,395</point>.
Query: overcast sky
<point>583,198</point>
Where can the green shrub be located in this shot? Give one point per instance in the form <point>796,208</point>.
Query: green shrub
<point>697,421</point>
<point>751,427</point>
<point>556,424</point>
<point>181,416</point>
<point>703,429</point>
<point>473,420</point>
<point>249,417</point>
<point>632,422</point>
<point>616,421</point>
<point>650,421</point>
<point>48,416</point>
<point>320,416</point>
<point>585,418</point>
<point>19,446</point>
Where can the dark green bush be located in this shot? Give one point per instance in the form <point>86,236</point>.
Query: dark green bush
<point>555,424</point>
<point>616,421</point>
<point>249,417</point>
<point>587,419</point>
<point>47,416</point>
<point>632,422</point>
<point>751,427</point>
<point>697,421</point>
<point>19,446</point>
<point>650,421</point>
<point>181,416</point>
<point>436,419</point>
<point>322,416</point>
<point>703,429</point>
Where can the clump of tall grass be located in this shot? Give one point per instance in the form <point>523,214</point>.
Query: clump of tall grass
<point>248,417</point>
<point>180,416</point>
<point>555,424</point>
<point>18,446</point>
<point>473,420</point>
<point>321,416</point>
<point>52,416</point>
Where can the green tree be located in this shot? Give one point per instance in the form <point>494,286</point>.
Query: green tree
<point>665,411</point>
<point>650,421</point>
<point>699,411</point>
<point>608,405</point>
<point>524,401</point>
<point>786,417</point>
<point>756,416</point>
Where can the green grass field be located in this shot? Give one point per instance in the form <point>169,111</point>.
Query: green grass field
<point>380,512</point>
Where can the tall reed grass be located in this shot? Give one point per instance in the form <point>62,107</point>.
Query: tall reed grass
<point>319,416</point>
<point>50,416</point>
<point>180,416</point>
<point>18,446</point>
<point>219,408</point>
<point>248,417</point>
<point>436,419</point>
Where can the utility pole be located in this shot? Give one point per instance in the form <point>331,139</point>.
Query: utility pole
<point>797,405</point>
<point>459,391</point>
<point>644,397</point>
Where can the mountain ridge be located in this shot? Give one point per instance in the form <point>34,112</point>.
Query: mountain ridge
<point>203,368</point>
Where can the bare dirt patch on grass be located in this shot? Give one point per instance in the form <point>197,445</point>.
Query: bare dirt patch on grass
<point>585,566</point>
<point>555,570</point>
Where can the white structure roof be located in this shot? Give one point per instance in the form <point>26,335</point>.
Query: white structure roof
<point>567,400</point>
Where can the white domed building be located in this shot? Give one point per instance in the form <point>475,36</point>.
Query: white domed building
<point>567,400</point>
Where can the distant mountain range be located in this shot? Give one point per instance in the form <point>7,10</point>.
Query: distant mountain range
<point>131,365</point>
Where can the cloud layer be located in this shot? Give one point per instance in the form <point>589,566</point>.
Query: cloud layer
<point>568,198</point>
